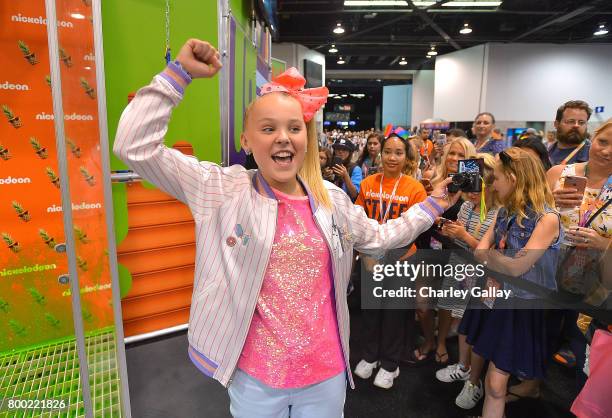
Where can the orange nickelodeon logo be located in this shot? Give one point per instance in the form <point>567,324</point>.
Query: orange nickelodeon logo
<point>27,54</point>
<point>13,120</point>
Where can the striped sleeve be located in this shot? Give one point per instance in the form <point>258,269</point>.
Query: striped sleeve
<point>139,143</point>
<point>370,237</point>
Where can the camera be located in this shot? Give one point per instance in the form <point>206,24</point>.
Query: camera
<point>468,179</point>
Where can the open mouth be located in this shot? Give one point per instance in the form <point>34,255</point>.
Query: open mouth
<point>283,157</point>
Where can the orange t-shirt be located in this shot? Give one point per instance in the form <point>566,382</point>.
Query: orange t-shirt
<point>409,192</point>
<point>427,148</point>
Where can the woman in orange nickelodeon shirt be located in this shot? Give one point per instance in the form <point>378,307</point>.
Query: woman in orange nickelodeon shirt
<point>386,196</point>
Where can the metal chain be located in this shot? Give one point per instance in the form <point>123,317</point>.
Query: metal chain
<point>168,54</point>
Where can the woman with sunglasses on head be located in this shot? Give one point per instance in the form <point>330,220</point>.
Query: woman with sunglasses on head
<point>386,196</point>
<point>510,330</point>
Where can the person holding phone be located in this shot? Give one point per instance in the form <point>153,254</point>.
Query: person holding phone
<point>348,175</point>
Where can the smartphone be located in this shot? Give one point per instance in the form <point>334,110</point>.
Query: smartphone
<point>575,182</point>
<point>337,161</point>
<point>441,139</point>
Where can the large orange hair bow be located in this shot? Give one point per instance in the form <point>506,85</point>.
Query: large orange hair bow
<point>292,82</point>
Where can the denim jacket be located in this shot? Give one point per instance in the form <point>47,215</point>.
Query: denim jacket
<point>544,270</point>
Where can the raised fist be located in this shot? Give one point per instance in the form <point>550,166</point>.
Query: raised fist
<point>199,58</point>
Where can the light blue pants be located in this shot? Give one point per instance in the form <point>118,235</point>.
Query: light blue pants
<point>250,398</point>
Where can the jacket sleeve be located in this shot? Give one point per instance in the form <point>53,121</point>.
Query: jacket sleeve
<point>139,143</point>
<point>370,237</point>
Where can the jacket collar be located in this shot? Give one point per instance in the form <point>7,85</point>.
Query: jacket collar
<point>267,190</point>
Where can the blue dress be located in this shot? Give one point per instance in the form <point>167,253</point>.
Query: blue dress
<point>515,339</point>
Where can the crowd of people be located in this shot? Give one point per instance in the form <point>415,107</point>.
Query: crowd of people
<point>276,245</point>
<point>539,164</point>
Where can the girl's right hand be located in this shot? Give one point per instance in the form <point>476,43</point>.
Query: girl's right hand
<point>199,58</point>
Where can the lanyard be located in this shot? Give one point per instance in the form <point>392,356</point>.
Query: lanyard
<point>380,198</point>
<point>483,144</point>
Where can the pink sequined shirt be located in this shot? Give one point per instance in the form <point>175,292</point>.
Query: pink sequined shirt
<point>293,340</point>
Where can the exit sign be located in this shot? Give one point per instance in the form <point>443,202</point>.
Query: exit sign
<point>599,109</point>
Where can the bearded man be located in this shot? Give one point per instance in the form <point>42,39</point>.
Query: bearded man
<point>571,123</point>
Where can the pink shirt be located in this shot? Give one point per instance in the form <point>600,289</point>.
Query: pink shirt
<point>293,340</point>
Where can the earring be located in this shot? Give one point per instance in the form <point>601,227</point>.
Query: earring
<point>247,151</point>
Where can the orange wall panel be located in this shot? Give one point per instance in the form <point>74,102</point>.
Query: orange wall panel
<point>160,281</point>
<point>159,236</point>
<point>157,322</point>
<point>155,303</point>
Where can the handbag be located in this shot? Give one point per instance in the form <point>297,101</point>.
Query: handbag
<point>578,272</point>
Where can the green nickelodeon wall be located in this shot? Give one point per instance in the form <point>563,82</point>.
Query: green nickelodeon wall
<point>134,48</point>
<point>134,34</point>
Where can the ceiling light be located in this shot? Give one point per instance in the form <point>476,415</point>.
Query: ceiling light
<point>375,3</point>
<point>432,52</point>
<point>77,16</point>
<point>333,49</point>
<point>475,3</point>
<point>601,30</point>
<point>379,80</point>
<point>338,29</point>
<point>466,29</point>
<point>403,61</point>
<point>341,60</point>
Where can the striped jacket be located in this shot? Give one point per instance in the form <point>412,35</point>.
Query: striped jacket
<point>235,216</point>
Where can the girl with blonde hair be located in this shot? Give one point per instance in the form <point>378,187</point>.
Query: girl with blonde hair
<point>274,246</point>
<point>522,243</point>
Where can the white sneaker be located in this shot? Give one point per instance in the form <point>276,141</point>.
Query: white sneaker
<point>452,373</point>
<point>365,369</point>
<point>470,395</point>
<point>384,379</point>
